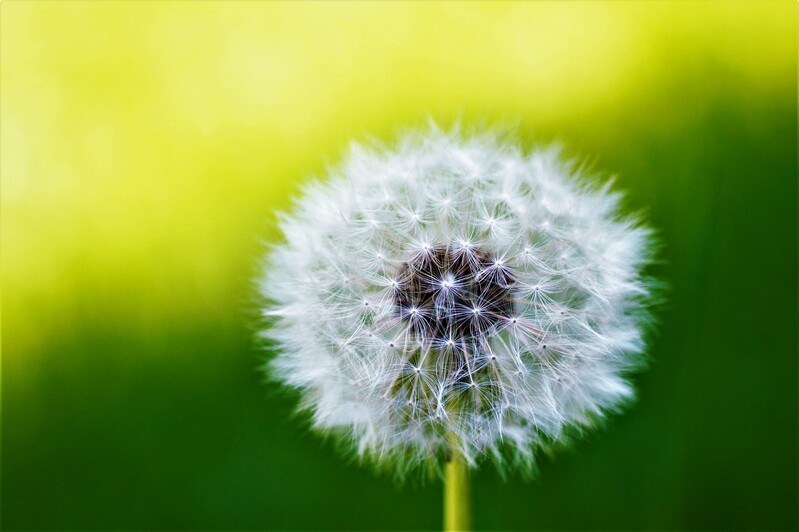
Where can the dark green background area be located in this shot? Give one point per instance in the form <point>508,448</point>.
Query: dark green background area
<point>190,436</point>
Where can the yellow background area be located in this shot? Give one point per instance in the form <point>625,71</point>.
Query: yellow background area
<point>146,144</point>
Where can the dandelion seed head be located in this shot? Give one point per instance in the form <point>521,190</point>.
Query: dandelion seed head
<point>453,290</point>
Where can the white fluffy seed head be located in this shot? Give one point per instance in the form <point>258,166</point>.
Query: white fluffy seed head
<point>453,294</point>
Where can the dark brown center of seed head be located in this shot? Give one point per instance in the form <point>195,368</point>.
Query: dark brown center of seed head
<point>450,297</point>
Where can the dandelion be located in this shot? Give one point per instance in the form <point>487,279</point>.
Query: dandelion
<point>452,298</point>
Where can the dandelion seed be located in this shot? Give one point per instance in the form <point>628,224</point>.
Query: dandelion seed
<point>493,297</point>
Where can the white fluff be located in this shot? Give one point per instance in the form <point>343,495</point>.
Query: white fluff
<point>559,359</point>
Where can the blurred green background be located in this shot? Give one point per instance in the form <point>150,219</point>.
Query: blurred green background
<point>147,145</point>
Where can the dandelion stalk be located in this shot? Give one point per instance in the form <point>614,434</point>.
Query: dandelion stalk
<point>457,503</point>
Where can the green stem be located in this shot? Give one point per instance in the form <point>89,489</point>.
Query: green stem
<point>456,495</point>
